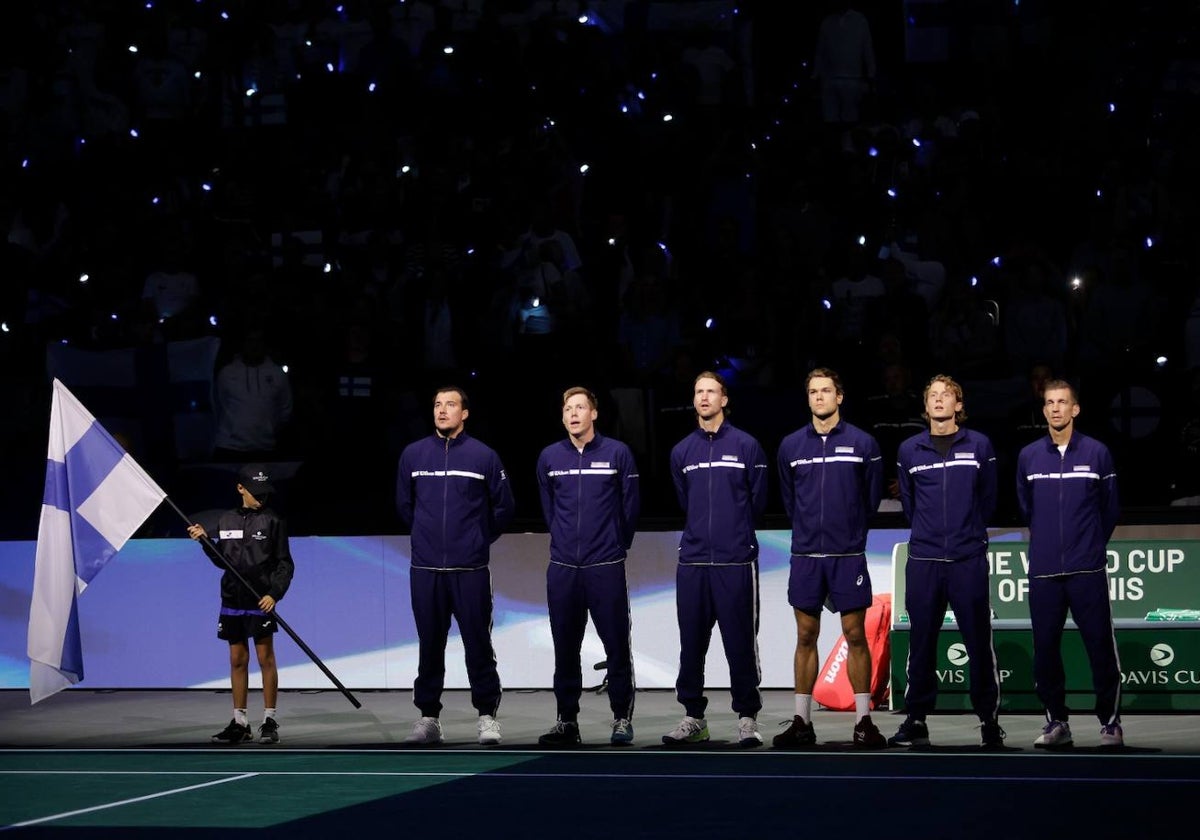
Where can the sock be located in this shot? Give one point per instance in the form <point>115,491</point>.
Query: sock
<point>862,705</point>
<point>239,717</point>
<point>804,707</point>
<point>268,713</point>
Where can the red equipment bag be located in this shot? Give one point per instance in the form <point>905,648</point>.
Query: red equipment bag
<point>833,689</point>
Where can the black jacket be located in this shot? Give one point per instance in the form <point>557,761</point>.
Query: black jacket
<point>255,543</point>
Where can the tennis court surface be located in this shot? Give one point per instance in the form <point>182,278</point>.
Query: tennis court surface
<point>139,764</point>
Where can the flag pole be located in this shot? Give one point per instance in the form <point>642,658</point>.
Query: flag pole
<point>287,628</point>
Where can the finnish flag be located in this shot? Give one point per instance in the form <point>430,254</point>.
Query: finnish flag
<point>96,497</point>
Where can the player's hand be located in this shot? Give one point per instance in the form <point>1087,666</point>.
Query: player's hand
<point>196,532</point>
<point>266,603</point>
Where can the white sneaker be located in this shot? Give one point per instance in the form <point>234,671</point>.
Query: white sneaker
<point>1111,735</point>
<point>427,730</point>
<point>1055,735</point>
<point>489,731</point>
<point>747,733</point>
<point>689,731</point>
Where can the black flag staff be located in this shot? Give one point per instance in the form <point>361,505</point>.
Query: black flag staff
<point>287,628</point>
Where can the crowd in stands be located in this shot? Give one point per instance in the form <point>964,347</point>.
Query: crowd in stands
<point>352,203</point>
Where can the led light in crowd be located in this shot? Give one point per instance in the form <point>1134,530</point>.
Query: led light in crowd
<point>583,168</point>
<point>212,319</point>
<point>133,132</point>
<point>448,50</point>
<point>207,187</point>
<point>286,368</point>
<point>996,261</point>
<point>827,303</point>
<point>862,240</point>
<point>667,118</point>
<point>1161,361</point>
<point>872,152</point>
<point>1076,283</point>
<point>328,268</point>
<point>1149,242</point>
<point>708,323</point>
<point>371,87</point>
<point>974,281</point>
<point>133,48</point>
<point>83,278</point>
<point>4,326</point>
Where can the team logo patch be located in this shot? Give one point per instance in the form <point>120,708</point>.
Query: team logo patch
<point>258,535</point>
<point>235,534</point>
<point>843,449</point>
<point>1082,469</point>
<point>600,465</point>
<point>964,455</point>
<point>729,457</point>
<point>859,581</point>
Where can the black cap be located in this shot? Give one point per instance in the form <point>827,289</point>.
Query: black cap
<point>257,479</point>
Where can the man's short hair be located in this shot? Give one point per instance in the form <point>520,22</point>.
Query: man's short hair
<point>951,385</point>
<point>1061,385</point>
<point>577,390</point>
<point>453,389</point>
<point>827,373</point>
<point>716,377</point>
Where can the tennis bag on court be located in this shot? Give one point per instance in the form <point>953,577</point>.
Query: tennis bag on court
<point>833,689</point>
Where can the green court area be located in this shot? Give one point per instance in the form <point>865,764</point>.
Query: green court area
<point>530,794</point>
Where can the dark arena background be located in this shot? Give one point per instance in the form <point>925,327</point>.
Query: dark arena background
<point>268,231</point>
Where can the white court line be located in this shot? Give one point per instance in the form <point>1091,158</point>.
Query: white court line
<point>652,777</point>
<point>108,805</point>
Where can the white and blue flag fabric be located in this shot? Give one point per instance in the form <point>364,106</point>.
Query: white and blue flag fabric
<point>96,497</point>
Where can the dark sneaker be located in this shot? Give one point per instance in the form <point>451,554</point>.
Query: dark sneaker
<point>912,733</point>
<point>268,733</point>
<point>796,737</point>
<point>867,735</point>
<point>991,736</point>
<point>234,733</point>
<point>564,734</point>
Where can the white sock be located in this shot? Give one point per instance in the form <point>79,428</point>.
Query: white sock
<point>239,716</point>
<point>804,707</point>
<point>268,713</point>
<point>862,706</point>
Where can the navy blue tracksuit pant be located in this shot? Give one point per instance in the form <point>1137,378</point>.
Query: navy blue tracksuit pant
<point>930,586</point>
<point>572,593</point>
<point>726,596</point>
<point>1086,595</point>
<point>467,597</point>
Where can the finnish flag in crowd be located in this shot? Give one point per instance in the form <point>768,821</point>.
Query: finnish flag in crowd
<point>96,497</point>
